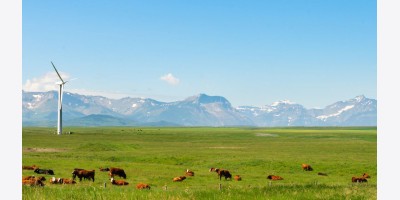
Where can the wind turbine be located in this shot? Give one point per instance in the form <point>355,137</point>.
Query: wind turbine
<point>60,94</point>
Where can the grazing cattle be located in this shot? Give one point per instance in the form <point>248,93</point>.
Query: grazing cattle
<point>87,174</point>
<point>274,178</point>
<point>322,174</point>
<point>360,179</point>
<point>221,172</point>
<point>306,167</point>
<point>118,182</point>
<point>79,169</point>
<point>104,169</point>
<point>117,171</point>
<point>33,167</point>
<point>44,171</point>
<point>237,177</point>
<point>32,182</point>
<point>141,186</point>
<point>189,173</point>
<point>179,179</point>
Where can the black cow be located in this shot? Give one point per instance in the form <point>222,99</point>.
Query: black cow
<point>44,171</point>
<point>222,172</point>
<point>117,171</point>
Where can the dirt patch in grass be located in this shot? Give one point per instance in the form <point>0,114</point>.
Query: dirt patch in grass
<point>266,135</point>
<point>43,150</point>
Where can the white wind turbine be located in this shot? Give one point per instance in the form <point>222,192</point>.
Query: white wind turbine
<point>60,94</point>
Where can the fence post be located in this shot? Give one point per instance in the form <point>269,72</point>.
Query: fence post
<point>105,184</point>
<point>220,186</point>
<point>165,187</point>
<point>270,183</point>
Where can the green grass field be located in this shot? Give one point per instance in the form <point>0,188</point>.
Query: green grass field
<point>156,155</point>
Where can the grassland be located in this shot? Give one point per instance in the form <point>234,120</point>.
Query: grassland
<point>156,155</point>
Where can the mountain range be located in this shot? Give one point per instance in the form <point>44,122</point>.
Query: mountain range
<point>40,109</point>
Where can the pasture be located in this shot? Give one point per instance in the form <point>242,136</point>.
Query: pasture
<point>155,156</point>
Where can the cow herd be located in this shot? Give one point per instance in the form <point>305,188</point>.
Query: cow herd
<point>77,173</point>
<point>306,167</point>
<point>113,171</point>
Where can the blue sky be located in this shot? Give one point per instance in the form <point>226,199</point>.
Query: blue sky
<point>251,52</point>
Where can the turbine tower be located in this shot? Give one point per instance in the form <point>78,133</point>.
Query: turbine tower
<point>60,94</point>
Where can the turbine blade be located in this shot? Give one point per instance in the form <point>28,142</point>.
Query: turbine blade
<point>57,73</point>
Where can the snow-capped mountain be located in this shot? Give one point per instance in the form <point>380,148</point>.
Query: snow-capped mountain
<point>281,113</point>
<point>357,111</point>
<point>40,108</point>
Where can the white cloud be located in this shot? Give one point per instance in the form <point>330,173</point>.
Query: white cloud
<point>45,83</point>
<point>170,79</point>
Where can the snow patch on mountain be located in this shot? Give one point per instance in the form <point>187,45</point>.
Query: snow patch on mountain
<point>324,117</point>
<point>282,102</point>
<point>37,97</point>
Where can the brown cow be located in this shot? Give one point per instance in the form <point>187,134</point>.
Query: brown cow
<point>179,179</point>
<point>360,179</point>
<point>42,178</point>
<point>237,177</point>
<point>222,172</point>
<point>306,167</point>
<point>142,186</point>
<point>33,167</point>
<point>118,182</point>
<point>117,171</point>
<point>79,169</point>
<point>32,182</point>
<point>189,172</point>
<point>28,177</point>
<point>68,181</point>
<point>87,174</point>
<point>274,178</point>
